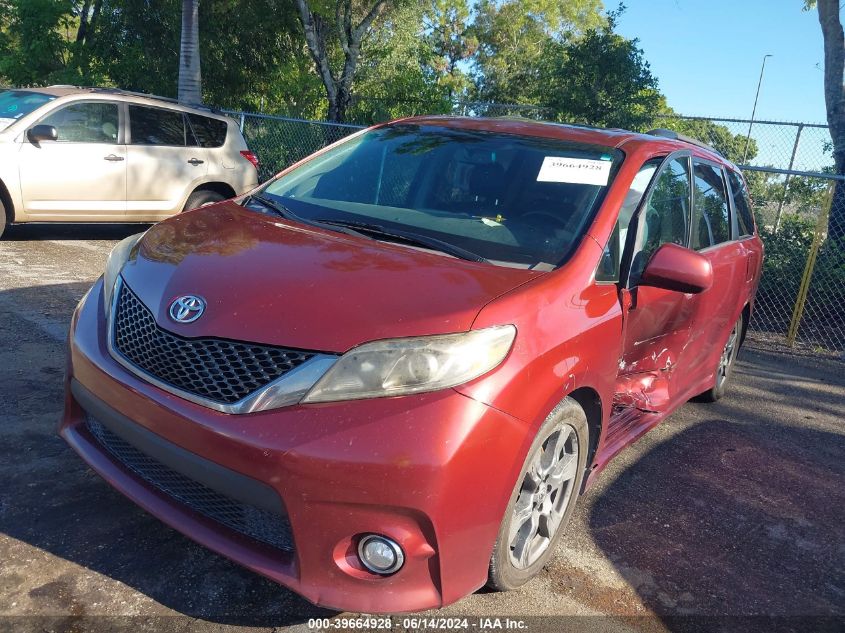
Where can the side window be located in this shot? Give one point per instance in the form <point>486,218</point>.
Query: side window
<point>85,123</point>
<point>665,216</point>
<point>156,126</point>
<point>608,269</point>
<point>208,132</point>
<point>744,218</point>
<point>711,223</point>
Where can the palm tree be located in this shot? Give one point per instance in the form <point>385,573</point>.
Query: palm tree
<point>189,55</point>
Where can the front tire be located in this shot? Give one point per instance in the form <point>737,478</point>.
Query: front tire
<point>543,499</point>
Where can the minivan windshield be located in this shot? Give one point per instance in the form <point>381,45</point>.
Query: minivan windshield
<point>514,200</point>
<point>17,103</point>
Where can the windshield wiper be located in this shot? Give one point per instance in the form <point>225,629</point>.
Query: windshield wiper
<point>406,237</point>
<point>281,210</point>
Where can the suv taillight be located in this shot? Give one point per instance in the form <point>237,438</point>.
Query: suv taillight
<point>250,156</point>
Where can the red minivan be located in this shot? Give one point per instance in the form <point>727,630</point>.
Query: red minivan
<point>384,377</point>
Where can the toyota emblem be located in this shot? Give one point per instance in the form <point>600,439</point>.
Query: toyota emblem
<point>187,309</point>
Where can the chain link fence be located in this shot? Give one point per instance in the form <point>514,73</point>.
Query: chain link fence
<point>801,299</point>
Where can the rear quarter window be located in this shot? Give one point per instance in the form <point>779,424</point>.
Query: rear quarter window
<point>742,204</point>
<point>208,132</point>
<point>711,220</point>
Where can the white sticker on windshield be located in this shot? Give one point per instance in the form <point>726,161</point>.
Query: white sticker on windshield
<point>582,171</point>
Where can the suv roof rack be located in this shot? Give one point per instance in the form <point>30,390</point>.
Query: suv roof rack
<point>664,133</point>
<point>131,93</point>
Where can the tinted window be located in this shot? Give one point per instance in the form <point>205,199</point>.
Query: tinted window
<point>155,126</point>
<point>85,123</point>
<point>711,223</point>
<point>608,269</point>
<point>515,200</point>
<point>208,132</point>
<point>742,205</point>
<point>16,103</point>
<point>664,217</point>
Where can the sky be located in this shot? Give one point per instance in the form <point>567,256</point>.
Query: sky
<point>707,56</point>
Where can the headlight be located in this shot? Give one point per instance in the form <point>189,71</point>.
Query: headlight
<point>412,365</point>
<point>114,264</point>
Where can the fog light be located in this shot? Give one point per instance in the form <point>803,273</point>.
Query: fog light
<point>380,554</point>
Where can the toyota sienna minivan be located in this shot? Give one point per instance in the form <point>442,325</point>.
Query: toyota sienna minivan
<point>70,154</point>
<point>383,378</point>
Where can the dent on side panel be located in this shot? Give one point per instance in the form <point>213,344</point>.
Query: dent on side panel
<point>658,333</point>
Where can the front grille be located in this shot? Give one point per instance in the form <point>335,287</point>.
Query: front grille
<point>256,523</point>
<point>220,370</point>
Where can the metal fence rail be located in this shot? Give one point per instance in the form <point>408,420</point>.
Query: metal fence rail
<point>801,299</point>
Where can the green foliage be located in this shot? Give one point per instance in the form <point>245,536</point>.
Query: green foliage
<point>512,39</point>
<point>450,39</point>
<point>600,79</point>
<point>36,43</point>
<point>397,76</point>
<point>732,146</point>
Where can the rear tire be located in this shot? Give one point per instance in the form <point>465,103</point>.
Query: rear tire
<point>3,218</point>
<point>543,498</point>
<point>202,198</point>
<point>726,364</point>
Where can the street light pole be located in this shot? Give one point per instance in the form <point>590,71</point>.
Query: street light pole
<point>754,110</point>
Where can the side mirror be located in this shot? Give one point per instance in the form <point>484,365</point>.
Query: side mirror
<point>42,133</point>
<point>674,267</point>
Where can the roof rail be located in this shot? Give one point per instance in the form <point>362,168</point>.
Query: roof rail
<point>664,133</point>
<point>131,93</point>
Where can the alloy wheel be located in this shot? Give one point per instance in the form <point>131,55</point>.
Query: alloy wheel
<point>547,485</point>
<point>728,356</point>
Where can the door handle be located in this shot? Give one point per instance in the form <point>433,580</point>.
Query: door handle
<point>196,161</point>
<point>113,158</point>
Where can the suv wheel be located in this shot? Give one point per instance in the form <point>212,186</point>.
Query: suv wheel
<point>2,218</point>
<point>543,499</point>
<point>202,198</point>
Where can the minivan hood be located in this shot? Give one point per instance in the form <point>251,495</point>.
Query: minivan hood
<point>271,281</point>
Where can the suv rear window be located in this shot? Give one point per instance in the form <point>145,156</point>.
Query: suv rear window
<point>208,132</point>
<point>156,126</point>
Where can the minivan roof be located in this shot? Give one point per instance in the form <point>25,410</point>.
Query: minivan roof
<point>609,137</point>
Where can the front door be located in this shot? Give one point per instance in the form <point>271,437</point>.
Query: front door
<point>82,175</point>
<point>658,324</point>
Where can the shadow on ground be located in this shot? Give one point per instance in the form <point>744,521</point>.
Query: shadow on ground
<point>69,231</point>
<point>742,512</point>
<point>51,501</point>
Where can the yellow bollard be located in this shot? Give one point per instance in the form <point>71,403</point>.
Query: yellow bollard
<point>804,288</point>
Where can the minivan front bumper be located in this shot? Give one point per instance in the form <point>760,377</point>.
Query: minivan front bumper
<point>433,472</point>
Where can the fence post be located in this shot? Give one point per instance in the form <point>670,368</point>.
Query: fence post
<point>786,181</point>
<point>243,119</point>
<point>804,288</point>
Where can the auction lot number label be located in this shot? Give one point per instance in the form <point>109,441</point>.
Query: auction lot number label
<point>416,623</point>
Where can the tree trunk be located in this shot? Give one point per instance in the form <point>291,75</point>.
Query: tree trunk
<point>834,95</point>
<point>338,90</point>
<point>82,32</point>
<point>189,56</point>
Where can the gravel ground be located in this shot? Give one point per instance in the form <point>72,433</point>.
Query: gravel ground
<point>728,509</point>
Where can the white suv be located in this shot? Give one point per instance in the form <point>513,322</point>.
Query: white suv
<point>71,154</point>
